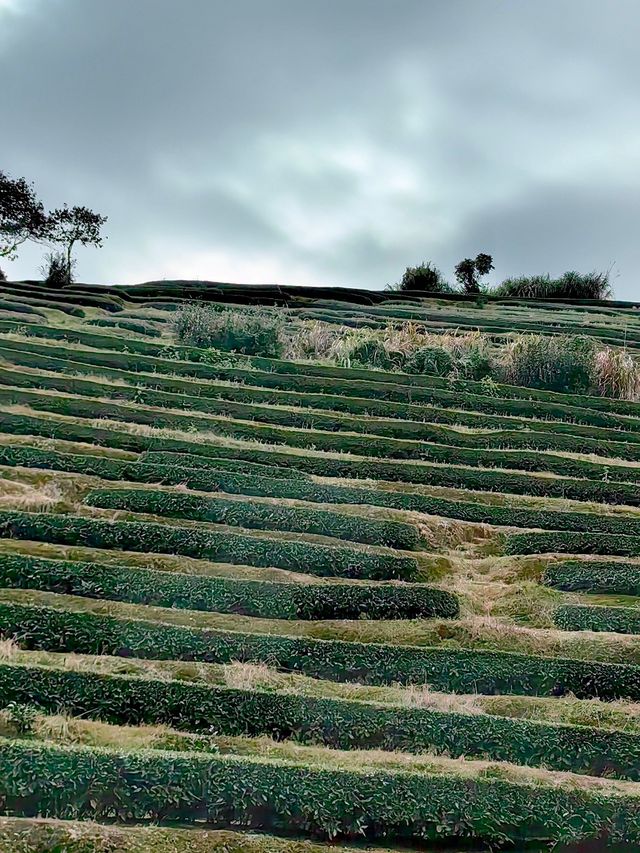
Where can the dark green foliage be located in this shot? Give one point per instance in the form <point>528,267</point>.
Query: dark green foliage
<point>577,617</point>
<point>79,782</point>
<point>262,516</point>
<point>227,595</point>
<point>423,277</point>
<point>128,325</point>
<point>573,543</point>
<point>370,445</point>
<point>167,458</point>
<point>480,479</point>
<point>373,353</point>
<point>407,419</point>
<point>435,360</point>
<point>469,272</point>
<point>20,307</point>
<point>404,431</point>
<point>297,556</point>
<point>453,670</point>
<point>56,273</point>
<point>594,576</point>
<point>245,478</point>
<point>336,723</point>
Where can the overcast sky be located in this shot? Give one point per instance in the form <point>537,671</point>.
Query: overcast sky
<point>329,141</point>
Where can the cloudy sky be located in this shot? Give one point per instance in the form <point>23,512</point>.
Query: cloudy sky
<point>329,141</point>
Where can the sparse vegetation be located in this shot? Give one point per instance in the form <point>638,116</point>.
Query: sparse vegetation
<point>570,285</point>
<point>55,270</point>
<point>250,331</point>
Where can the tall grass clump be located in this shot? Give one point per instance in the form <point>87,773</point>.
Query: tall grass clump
<point>616,374</point>
<point>247,330</point>
<point>55,270</point>
<point>560,363</point>
<point>570,285</point>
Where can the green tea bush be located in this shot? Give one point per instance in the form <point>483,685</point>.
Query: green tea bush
<point>253,793</point>
<point>227,595</point>
<point>597,576</point>
<point>251,331</point>
<point>573,543</point>
<point>335,723</point>
<point>577,617</point>
<point>467,478</point>
<point>445,669</point>
<point>259,551</point>
<point>262,516</point>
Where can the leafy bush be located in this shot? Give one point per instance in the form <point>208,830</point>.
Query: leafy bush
<point>424,277</point>
<point>469,271</point>
<point>20,717</point>
<point>3,275</point>
<point>55,270</point>
<point>558,363</point>
<point>251,331</point>
<point>434,360</point>
<point>571,285</point>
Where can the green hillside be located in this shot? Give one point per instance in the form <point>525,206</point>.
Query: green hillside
<point>297,570</point>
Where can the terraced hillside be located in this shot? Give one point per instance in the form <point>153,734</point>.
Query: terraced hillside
<point>268,603</point>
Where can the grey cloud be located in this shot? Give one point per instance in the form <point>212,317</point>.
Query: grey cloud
<point>329,142</point>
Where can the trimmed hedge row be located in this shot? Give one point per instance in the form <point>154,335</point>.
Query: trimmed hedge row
<point>20,308</point>
<point>366,445</point>
<point>348,388</point>
<point>73,297</point>
<point>221,474</point>
<point>573,543</point>
<point>39,356</point>
<point>259,551</point>
<point>452,670</point>
<point>172,458</point>
<point>432,475</point>
<point>188,506</point>
<point>361,383</point>
<point>262,516</point>
<point>402,431</point>
<point>266,599</point>
<point>129,325</point>
<point>594,576</point>
<point>578,617</point>
<point>171,473</point>
<point>22,303</point>
<point>80,782</point>
<point>336,723</point>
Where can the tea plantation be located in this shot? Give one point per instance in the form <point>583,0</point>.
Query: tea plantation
<point>251,603</point>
